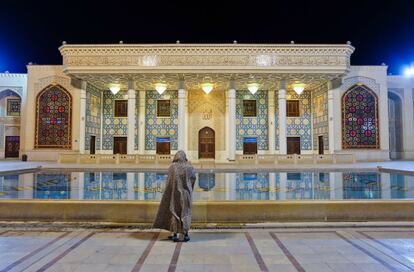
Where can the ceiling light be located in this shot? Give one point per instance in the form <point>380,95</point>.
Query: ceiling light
<point>253,87</point>
<point>299,88</point>
<point>115,88</point>
<point>161,87</point>
<point>207,87</point>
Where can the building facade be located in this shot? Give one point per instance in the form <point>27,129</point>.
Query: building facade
<point>221,102</point>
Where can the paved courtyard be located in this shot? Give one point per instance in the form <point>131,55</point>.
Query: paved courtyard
<point>326,249</point>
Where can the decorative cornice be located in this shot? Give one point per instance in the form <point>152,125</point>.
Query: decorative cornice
<point>211,56</point>
<point>8,75</point>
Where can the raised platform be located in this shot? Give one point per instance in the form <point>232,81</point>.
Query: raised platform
<point>209,212</point>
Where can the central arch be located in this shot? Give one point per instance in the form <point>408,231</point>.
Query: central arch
<point>206,143</point>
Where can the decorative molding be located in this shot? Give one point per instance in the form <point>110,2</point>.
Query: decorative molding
<point>17,90</point>
<point>358,80</point>
<point>52,80</point>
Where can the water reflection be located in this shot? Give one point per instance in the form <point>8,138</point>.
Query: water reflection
<point>209,186</point>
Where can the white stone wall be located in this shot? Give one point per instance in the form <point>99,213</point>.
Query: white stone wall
<point>39,77</point>
<point>375,78</point>
<point>404,88</point>
<point>10,126</point>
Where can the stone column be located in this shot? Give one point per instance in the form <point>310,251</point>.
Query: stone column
<point>82,119</point>
<point>333,131</point>
<point>271,115</point>
<point>282,118</point>
<point>141,125</point>
<point>182,128</point>
<point>231,130</point>
<point>131,118</point>
<point>408,124</point>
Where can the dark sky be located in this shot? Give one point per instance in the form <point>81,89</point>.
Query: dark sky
<point>381,31</point>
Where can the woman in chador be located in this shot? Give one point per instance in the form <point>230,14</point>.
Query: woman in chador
<point>174,212</point>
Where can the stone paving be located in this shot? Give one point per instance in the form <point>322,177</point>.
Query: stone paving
<point>301,249</point>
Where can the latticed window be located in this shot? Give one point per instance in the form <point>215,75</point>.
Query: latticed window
<point>13,107</point>
<point>121,108</point>
<point>292,108</point>
<point>359,118</point>
<point>53,118</point>
<point>249,108</point>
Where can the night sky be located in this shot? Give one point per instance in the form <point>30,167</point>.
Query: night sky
<point>32,31</point>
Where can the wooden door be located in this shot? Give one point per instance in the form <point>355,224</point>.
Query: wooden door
<point>163,148</point>
<point>293,145</point>
<point>12,147</point>
<point>206,143</point>
<point>120,145</point>
<point>320,145</point>
<point>250,146</point>
<point>92,145</point>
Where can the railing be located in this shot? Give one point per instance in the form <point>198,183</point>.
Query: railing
<point>296,159</point>
<point>113,159</point>
<point>241,159</point>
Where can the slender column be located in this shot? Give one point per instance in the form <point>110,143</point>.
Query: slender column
<point>82,115</point>
<point>408,124</point>
<point>331,119</point>
<point>102,122</point>
<point>141,127</point>
<point>231,130</point>
<point>182,129</point>
<point>282,118</point>
<point>271,106</point>
<point>131,118</point>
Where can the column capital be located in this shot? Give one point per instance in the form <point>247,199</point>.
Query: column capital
<point>83,85</point>
<point>131,85</point>
<point>232,85</point>
<point>181,84</point>
<point>282,85</point>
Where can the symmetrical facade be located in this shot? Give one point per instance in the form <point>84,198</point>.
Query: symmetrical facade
<point>216,102</point>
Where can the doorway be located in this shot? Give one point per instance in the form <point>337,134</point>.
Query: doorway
<point>249,145</point>
<point>320,145</point>
<point>163,146</point>
<point>395,126</point>
<point>206,143</point>
<point>293,145</point>
<point>92,145</point>
<point>120,145</point>
<point>12,147</point>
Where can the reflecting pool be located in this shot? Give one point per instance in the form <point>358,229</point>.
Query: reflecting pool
<point>210,186</point>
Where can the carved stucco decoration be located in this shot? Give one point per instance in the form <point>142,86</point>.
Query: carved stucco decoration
<point>196,56</point>
<point>42,83</point>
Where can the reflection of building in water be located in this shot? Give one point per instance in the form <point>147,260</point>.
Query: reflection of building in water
<point>9,186</point>
<point>252,186</point>
<point>361,186</point>
<point>52,186</point>
<point>154,185</point>
<point>206,181</point>
<point>299,186</point>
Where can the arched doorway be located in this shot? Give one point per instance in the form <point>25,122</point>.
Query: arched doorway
<point>395,125</point>
<point>10,102</point>
<point>206,143</point>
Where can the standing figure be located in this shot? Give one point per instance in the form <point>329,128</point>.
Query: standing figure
<point>174,212</point>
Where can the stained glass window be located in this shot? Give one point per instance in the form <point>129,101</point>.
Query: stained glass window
<point>359,118</point>
<point>53,118</point>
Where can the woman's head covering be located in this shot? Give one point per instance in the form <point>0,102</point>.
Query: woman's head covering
<point>180,156</point>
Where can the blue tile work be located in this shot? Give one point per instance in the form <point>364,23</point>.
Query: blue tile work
<point>112,126</point>
<point>361,185</point>
<point>277,120</point>
<point>301,126</point>
<point>9,187</point>
<point>252,126</point>
<point>299,186</point>
<point>252,186</point>
<point>320,116</point>
<point>160,126</point>
<point>92,185</point>
<point>93,116</point>
<point>52,186</point>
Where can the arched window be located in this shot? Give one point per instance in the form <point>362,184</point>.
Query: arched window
<point>53,118</point>
<point>360,118</point>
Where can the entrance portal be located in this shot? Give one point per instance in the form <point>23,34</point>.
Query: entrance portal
<point>293,145</point>
<point>206,143</point>
<point>120,145</point>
